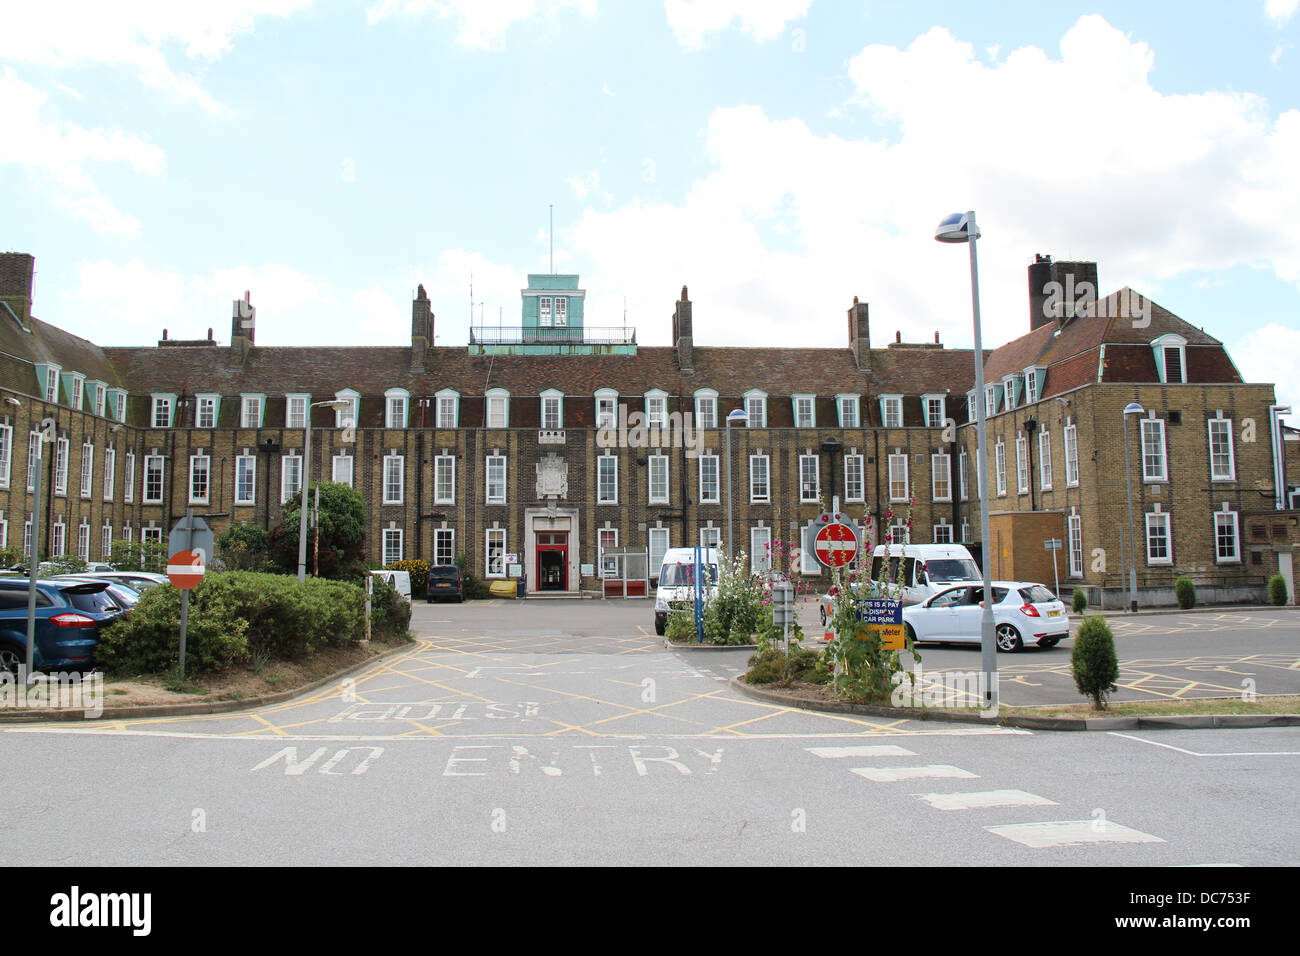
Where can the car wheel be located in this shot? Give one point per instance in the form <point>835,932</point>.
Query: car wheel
<point>661,625</point>
<point>1008,638</point>
<point>11,658</point>
<point>911,634</point>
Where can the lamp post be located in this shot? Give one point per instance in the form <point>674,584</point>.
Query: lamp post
<point>335,404</point>
<point>735,415</point>
<point>1132,408</point>
<point>961,227</point>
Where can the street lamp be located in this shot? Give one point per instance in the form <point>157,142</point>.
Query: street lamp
<point>961,227</point>
<point>1132,408</point>
<point>735,415</point>
<point>335,404</point>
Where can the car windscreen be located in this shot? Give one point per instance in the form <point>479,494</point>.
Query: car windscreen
<point>444,574</point>
<point>1037,594</point>
<point>92,599</point>
<point>942,570</point>
<point>683,575</point>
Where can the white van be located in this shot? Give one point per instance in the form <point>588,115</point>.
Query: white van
<point>677,581</point>
<point>400,580</point>
<point>926,569</point>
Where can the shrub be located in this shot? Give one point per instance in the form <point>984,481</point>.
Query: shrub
<point>1277,590</point>
<point>771,665</point>
<point>1185,591</point>
<point>342,533</point>
<point>390,613</point>
<point>1079,602</point>
<point>138,555</point>
<point>148,641</point>
<point>65,564</point>
<point>244,547</point>
<point>11,556</point>
<point>419,572</point>
<point>680,628</point>
<point>1093,660</point>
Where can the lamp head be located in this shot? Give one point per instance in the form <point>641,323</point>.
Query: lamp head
<point>959,227</point>
<point>1133,408</point>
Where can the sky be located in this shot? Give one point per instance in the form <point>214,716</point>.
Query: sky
<point>778,157</point>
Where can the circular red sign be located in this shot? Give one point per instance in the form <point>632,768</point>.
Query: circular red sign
<point>185,569</point>
<point>835,545</point>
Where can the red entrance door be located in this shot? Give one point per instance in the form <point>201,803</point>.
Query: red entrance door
<point>553,561</point>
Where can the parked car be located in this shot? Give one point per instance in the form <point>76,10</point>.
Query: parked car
<point>136,582</point>
<point>70,613</point>
<point>677,581</point>
<point>445,584</point>
<point>1024,614</point>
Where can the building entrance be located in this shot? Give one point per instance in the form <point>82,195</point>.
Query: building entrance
<point>553,561</point>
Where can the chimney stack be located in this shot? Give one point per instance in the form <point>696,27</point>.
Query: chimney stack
<point>860,334</point>
<point>243,326</point>
<point>683,340</point>
<point>16,272</point>
<point>421,327</point>
<point>1060,291</point>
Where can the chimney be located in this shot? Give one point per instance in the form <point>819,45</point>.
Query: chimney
<point>16,271</point>
<point>1060,291</point>
<point>243,325</point>
<point>421,327</point>
<point>682,337</point>
<point>860,334</point>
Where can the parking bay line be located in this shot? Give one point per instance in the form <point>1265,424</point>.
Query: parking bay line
<point>895,774</point>
<point>875,750</point>
<point>1193,753</point>
<point>1056,833</point>
<point>981,799</point>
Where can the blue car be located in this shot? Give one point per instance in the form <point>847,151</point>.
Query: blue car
<point>69,617</point>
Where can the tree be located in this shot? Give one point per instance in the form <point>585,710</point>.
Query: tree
<point>342,533</point>
<point>244,547</point>
<point>138,555</point>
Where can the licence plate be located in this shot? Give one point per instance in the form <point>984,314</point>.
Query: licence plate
<point>1053,613</point>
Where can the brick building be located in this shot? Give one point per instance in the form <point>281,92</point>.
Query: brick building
<point>559,440</point>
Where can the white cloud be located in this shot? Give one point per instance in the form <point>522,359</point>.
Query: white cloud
<point>585,185</point>
<point>1096,164</point>
<point>693,20</point>
<point>1280,11</point>
<point>133,34</point>
<point>1268,355</point>
<point>482,25</point>
<point>58,156</point>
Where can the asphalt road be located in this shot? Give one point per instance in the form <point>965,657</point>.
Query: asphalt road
<point>564,732</point>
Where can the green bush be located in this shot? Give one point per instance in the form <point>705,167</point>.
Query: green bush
<point>390,613</point>
<point>771,665</point>
<point>1079,602</point>
<point>1277,590</point>
<point>244,547</point>
<point>148,641</point>
<point>680,628</point>
<point>1185,591</point>
<point>1093,660</point>
<point>418,569</point>
<point>65,564</point>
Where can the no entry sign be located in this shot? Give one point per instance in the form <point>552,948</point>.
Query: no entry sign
<point>185,569</point>
<point>835,545</point>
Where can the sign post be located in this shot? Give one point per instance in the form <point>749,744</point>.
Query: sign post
<point>1054,545</point>
<point>190,543</point>
<point>47,432</point>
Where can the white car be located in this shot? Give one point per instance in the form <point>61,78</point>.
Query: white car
<point>1024,615</point>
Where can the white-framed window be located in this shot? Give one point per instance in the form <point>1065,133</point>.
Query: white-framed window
<point>27,536</point>
<point>847,406</point>
<point>708,465</point>
<point>854,485</point>
<point>1045,460</point>
<point>52,383</point>
<point>941,477</point>
<point>891,411</point>
<point>250,411</point>
<point>552,409</point>
<point>943,533</point>
<point>61,467</point>
<point>760,549</point>
<point>544,311</point>
<point>933,406</point>
<point>1223,462</point>
<point>808,563</point>
<point>128,533</point>
<point>394,479</point>
<point>706,408</point>
<point>494,553</point>
<point>83,540</point>
<point>1010,388</point>
<point>898,483</point>
<point>1159,538</point>
<point>658,478</point>
<point>105,541</point>
<point>962,489</point>
<point>897,532</point>
<point>444,480</point>
<point>117,398</point>
<point>810,487</point>
<point>349,414</point>
<point>710,538</point>
<point>1227,543</point>
<point>656,408</point>
<point>392,545</point>
<point>153,479</point>
<point>498,408</point>
<point>128,478</point>
<point>87,469</point>
<point>110,466</point>
<point>162,411</point>
<point>1000,467</point>
<point>1072,456</point>
<point>1154,465</point>
<point>495,476</point>
<point>101,396</point>
<point>396,405</point>
<point>606,540</point>
<point>151,534</point>
<point>446,407</point>
<point>561,311</point>
<point>290,476</point>
<point>1032,376</point>
<point>805,411</point>
<point>606,408</point>
<point>1074,534</point>
<point>60,545</point>
<point>756,408</point>
<point>246,480</point>
<point>205,411</point>
<point>1170,352</point>
<point>444,545</point>
<point>1022,465</point>
<point>295,410</point>
<point>6,453</point>
<point>607,480</point>
<point>990,400</point>
<point>971,411</point>
<point>342,469</point>
<point>200,475</point>
<point>659,545</point>
<point>760,479</point>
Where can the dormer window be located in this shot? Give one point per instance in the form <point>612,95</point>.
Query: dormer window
<point>552,409</point>
<point>205,411</point>
<point>933,405</point>
<point>847,406</point>
<point>891,411</point>
<point>250,411</point>
<point>447,408</point>
<point>347,417</point>
<point>1011,388</point>
<point>52,383</point>
<point>77,387</point>
<point>971,411</point>
<point>161,416</point>
<point>1034,383</point>
<point>395,404</point>
<point>295,410</point>
<point>706,408</point>
<point>498,408</point>
<point>756,408</point>
<point>606,408</point>
<point>805,414</point>
<point>656,408</point>
<point>1171,358</point>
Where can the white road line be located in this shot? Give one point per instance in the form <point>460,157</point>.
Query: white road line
<point>978,800</point>
<point>894,774</point>
<point>268,735</point>
<point>1193,753</point>
<point>1040,836</point>
<point>878,750</point>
